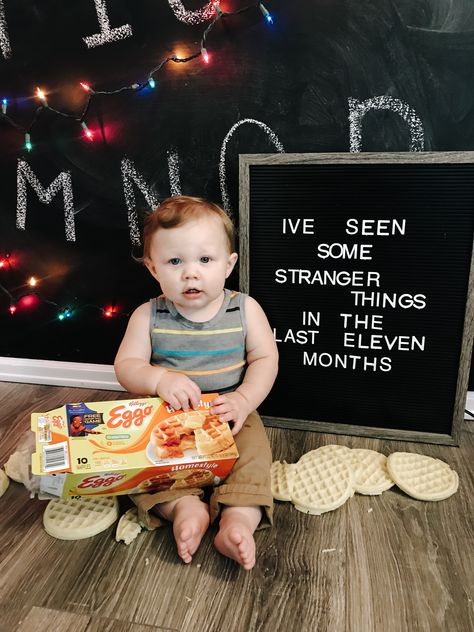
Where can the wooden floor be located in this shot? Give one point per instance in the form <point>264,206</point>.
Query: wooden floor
<point>384,563</point>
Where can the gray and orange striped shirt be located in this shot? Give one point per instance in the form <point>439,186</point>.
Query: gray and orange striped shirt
<point>212,353</point>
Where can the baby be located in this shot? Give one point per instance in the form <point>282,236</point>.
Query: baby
<point>199,337</point>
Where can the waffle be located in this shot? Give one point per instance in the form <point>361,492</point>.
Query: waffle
<point>188,442</point>
<point>172,436</point>
<point>4,482</point>
<point>370,471</point>
<point>323,481</point>
<point>192,419</point>
<point>157,483</point>
<point>17,465</point>
<point>192,478</point>
<point>422,477</point>
<point>79,519</point>
<point>339,450</point>
<point>282,477</point>
<point>166,437</point>
<point>213,437</point>
<point>128,526</point>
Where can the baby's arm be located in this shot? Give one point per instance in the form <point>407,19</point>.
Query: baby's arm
<point>136,374</point>
<point>262,359</point>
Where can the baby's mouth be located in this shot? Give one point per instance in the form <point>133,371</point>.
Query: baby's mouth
<point>191,291</point>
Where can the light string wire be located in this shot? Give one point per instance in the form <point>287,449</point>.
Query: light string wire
<point>63,311</point>
<point>134,87</point>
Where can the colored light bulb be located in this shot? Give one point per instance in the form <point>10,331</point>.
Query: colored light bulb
<point>87,132</point>
<point>65,313</point>
<point>86,87</point>
<point>109,311</point>
<point>265,13</point>
<point>41,96</point>
<point>6,260</point>
<point>32,282</point>
<point>151,82</point>
<point>205,54</point>
<point>12,309</point>
<point>28,143</point>
<point>4,105</point>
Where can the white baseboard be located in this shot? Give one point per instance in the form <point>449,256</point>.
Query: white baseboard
<point>53,373</point>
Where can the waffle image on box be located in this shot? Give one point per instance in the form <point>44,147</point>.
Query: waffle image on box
<point>130,447</point>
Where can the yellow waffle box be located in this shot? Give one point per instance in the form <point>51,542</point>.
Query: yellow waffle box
<point>130,447</point>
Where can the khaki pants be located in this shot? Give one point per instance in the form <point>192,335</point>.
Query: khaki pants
<point>248,484</point>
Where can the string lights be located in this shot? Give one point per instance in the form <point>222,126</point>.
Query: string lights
<point>28,297</point>
<point>214,12</point>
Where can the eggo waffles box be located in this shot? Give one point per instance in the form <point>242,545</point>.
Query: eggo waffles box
<point>130,447</point>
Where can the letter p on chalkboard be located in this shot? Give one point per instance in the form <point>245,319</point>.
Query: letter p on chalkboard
<point>363,264</point>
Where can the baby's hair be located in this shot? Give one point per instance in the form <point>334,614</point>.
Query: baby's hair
<point>177,210</point>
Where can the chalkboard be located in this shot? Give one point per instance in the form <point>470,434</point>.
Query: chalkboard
<point>324,76</point>
<point>363,264</point>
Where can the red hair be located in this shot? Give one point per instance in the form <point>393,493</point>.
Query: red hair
<point>177,210</point>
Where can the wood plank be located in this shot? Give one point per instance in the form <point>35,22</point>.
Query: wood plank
<point>99,624</point>
<point>11,613</point>
<point>53,621</point>
<point>404,566</point>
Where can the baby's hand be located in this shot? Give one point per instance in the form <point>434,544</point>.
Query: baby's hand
<point>231,407</point>
<point>178,390</point>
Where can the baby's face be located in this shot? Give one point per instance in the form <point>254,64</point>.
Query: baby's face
<point>191,263</point>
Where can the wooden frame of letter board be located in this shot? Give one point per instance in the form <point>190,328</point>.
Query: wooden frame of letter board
<point>247,161</point>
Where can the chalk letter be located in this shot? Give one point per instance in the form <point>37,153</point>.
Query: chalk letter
<point>131,176</point>
<point>193,17</point>
<point>106,35</point>
<point>358,109</point>
<point>4,39</point>
<point>273,139</point>
<point>173,170</point>
<point>63,181</point>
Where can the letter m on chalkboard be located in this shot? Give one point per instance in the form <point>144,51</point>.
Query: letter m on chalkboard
<point>63,181</point>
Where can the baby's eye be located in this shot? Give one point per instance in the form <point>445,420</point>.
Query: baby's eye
<point>205,259</point>
<point>175,261</point>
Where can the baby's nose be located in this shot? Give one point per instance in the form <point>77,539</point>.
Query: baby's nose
<point>191,272</point>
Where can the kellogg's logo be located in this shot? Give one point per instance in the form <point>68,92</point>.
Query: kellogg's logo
<point>123,417</point>
<point>100,481</point>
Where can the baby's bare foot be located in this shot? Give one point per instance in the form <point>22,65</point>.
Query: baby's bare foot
<point>190,518</point>
<point>235,537</point>
<point>237,543</point>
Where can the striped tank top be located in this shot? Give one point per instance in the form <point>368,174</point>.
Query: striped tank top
<point>212,353</point>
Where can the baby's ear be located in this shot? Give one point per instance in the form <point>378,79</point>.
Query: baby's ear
<point>231,263</point>
<point>149,264</point>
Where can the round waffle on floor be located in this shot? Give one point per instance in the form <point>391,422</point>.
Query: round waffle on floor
<point>340,450</point>
<point>322,482</point>
<point>281,477</point>
<point>81,518</point>
<point>370,471</point>
<point>422,477</point>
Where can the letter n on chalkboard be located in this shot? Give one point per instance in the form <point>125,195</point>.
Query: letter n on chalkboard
<point>363,264</point>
